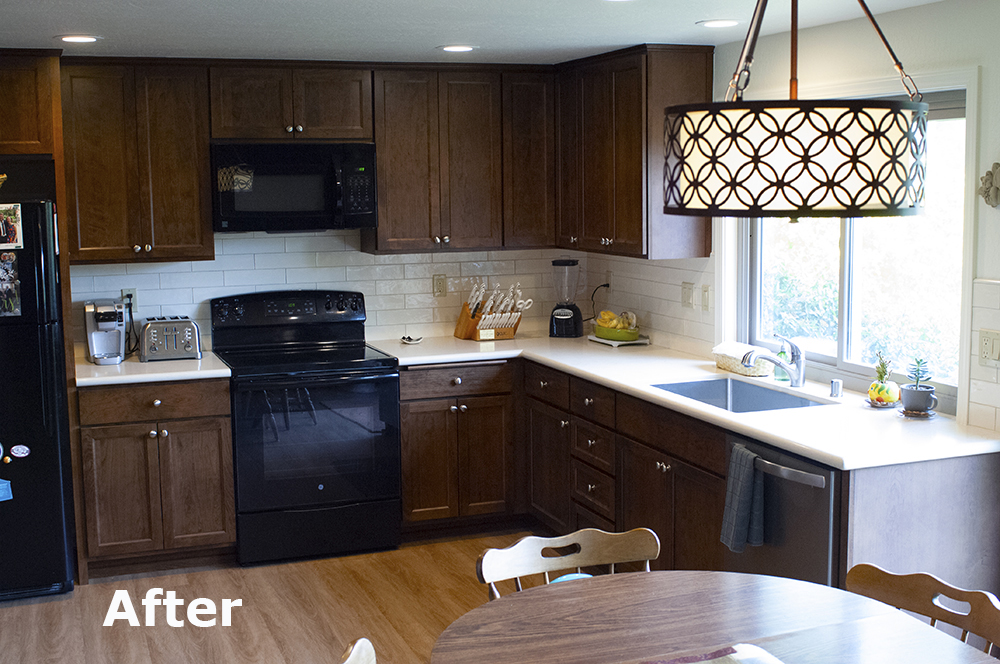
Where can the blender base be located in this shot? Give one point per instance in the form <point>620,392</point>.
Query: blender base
<point>566,321</point>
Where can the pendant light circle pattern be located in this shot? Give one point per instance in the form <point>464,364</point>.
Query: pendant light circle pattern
<point>844,158</point>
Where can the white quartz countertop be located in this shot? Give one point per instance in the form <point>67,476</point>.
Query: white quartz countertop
<point>134,371</point>
<point>846,434</point>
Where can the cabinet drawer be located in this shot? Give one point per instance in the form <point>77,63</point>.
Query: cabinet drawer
<point>595,445</point>
<point>584,518</point>
<point>150,402</point>
<point>678,435</point>
<point>454,380</point>
<point>594,489</point>
<point>548,385</point>
<point>592,401</point>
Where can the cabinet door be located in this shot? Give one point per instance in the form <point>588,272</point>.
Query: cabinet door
<point>529,197</point>
<point>406,132</point>
<point>429,459</point>
<point>121,489</point>
<point>646,481</point>
<point>548,432</point>
<point>251,102</point>
<point>102,183</point>
<point>174,164</point>
<point>699,501</point>
<point>485,436</point>
<point>470,151</point>
<point>196,479</point>
<point>332,103</point>
<point>597,149</point>
<point>626,81</point>
<point>26,114</point>
<point>570,173</point>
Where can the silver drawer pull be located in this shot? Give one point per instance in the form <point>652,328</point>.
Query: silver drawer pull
<point>543,384</point>
<point>564,423</point>
<point>457,380</point>
<point>588,402</point>
<point>591,442</point>
<point>786,473</point>
<point>662,467</point>
<point>156,402</point>
<point>591,487</point>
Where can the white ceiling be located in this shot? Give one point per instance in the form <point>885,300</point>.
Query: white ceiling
<point>510,31</point>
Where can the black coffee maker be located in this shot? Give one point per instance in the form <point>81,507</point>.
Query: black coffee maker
<point>566,319</point>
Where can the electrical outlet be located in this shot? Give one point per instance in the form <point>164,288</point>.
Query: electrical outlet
<point>706,297</point>
<point>687,295</point>
<point>989,348</point>
<point>609,279</point>
<point>440,285</point>
<point>135,301</point>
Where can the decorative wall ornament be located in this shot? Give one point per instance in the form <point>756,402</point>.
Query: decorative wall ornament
<point>989,187</point>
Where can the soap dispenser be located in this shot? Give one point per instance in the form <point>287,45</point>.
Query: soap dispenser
<point>785,355</point>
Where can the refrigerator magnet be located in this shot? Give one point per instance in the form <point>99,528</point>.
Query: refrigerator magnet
<point>5,492</point>
<point>10,285</point>
<point>11,236</point>
<point>20,451</point>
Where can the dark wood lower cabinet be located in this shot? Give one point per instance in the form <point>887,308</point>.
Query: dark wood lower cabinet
<point>699,501</point>
<point>548,441</point>
<point>158,485</point>
<point>456,456</point>
<point>646,485</point>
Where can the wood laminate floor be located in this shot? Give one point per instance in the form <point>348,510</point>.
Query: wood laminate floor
<point>292,613</point>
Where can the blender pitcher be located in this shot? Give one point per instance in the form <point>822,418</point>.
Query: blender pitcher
<point>566,319</point>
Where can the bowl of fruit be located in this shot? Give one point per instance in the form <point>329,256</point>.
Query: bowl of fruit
<point>616,327</point>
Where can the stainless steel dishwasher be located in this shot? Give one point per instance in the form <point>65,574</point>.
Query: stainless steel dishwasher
<point>801,518</point>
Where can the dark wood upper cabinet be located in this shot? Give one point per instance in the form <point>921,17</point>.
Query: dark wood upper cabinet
<point>529,175</point>
<point>610,151</point>
<point>438,161</point>
<point>26,114</point>
<point>137,163</point>
<point>280,103</point>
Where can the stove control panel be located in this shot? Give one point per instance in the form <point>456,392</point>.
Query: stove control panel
<point>288,308</point>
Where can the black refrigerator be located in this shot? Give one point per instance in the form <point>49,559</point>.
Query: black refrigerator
<point>36,515</point>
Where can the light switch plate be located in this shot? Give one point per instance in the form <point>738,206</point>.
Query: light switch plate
<point>706,297</point>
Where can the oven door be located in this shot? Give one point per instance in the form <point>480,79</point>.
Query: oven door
<point>302,441</point>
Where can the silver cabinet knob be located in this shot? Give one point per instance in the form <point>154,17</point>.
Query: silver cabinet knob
<point>611,240</point>
<point>662,467</point>
<point>457,380</point>
<point>591,487</point>
<point>437,240</point>
<point>588,401</point>
<point>156,402</point>
<point>563,424</point>
<point>148,247</point>
<point>152,434</point>
<point>164,433</point>
<point>289,129</point>
<point>543,384</point>
<point>447,239</point>
<point>298,128</point>
<point>463,408</point>
<point>572,239</point>
<point>136,248</point>
<point>591,442</point>
<point>454,409</point>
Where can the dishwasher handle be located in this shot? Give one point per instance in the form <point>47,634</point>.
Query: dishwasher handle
<point>786,473</point>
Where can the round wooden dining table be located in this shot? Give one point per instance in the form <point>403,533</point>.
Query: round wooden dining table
<point>660,616</point>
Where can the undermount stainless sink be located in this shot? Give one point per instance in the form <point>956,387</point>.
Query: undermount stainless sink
<point>738,396</point>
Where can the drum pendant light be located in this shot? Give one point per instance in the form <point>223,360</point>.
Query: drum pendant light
<point>792,158</point>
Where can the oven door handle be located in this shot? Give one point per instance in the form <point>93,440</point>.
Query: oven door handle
<point>309,381</point>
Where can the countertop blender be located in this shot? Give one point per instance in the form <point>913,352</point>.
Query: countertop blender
<point>566,319</point>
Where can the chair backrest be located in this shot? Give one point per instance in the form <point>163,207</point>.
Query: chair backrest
<point>922,593</point>
<point>583,548</point>
<point>360,652</point>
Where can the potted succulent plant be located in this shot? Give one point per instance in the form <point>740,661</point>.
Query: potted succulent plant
<point>918,398</point>
<point>883,392</point>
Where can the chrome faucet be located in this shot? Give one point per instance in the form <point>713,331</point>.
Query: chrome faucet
<point>796,370</point>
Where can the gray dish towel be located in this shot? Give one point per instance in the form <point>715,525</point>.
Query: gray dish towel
<point>743,518</point>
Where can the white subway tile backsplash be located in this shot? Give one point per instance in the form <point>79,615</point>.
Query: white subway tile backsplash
<point>294,260</point>
<point>115,283</point>
<point>428,270</point>
<point>390,287</point>
<point>986,293</point>
<point>320,243</point>
<point>376,273</point>
<point>254,277</point>
<point>983,416</point>
<point>191,279</point>
<point>294,276</point>
<point>246,244</point>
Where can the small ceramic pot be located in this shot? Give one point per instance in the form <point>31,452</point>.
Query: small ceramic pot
<point>918,399</point>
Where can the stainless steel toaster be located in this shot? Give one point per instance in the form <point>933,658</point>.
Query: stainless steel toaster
<point>169,338</point>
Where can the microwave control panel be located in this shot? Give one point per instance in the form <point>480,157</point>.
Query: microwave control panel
<point>359,191</point>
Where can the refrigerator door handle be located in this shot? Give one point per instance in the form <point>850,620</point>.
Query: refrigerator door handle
<point>55,228</point>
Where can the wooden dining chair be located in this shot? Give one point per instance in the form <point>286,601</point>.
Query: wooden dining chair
<point>360,652</point>
<point>583,548</point>
<point>922,593</point>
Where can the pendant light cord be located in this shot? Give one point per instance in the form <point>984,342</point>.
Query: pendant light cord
<point>741,77</point>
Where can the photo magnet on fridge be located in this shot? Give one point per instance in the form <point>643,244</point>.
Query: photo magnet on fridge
<point>10,226</point>
<point>10,285</point>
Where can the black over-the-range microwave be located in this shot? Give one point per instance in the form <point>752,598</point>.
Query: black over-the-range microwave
<point>278,187</point>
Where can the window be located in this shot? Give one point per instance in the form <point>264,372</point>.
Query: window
<point>845,290</point>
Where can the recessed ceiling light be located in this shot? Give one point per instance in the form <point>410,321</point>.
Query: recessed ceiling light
<point>718,23</point>
<point>79,39</point>
<point>457,48</point>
